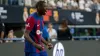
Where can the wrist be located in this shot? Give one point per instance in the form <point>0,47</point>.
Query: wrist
<point>46,43</point>
<point>33,43</point>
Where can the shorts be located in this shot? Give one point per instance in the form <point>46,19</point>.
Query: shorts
<point>42,53</point>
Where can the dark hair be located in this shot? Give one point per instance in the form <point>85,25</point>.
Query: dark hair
<point>49,23</point>
<point>64,23</point>
<point>40,4</point>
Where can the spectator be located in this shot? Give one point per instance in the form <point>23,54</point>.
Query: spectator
<point>97,18</point>
<point>89,2</point>
<point>69,4</point>
<point>34,2</point>
<point>91,33</point>
<point>95,6</point>
<point>82,4</point>
<point>52,32</point>
<point>2,28</point>
<point>25,14</point>
<point>98,32</point>
<point>21,2</point>
<point>51,4</point>
<point>11,35</point>
<point>28,3</point>
<point>64,31</point>
<point>64,4</point>
<point>59,4</point>
<point>88,5</point>
<point>74,4</point>
<point>45,33</point>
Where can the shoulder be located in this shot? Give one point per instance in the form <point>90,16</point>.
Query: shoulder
<point>31,17</point>
<point>33,14</point>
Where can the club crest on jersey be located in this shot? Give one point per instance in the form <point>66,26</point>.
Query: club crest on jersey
<point>38,32</point>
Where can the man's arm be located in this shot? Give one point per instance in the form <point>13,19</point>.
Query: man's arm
<point>28,27</point>
<point>44,41</point>
<point>27,37</point>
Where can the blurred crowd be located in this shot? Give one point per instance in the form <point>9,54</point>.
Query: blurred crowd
<point>87,5</point>
<point>50,33</point>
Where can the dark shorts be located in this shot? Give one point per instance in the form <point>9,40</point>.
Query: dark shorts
<point>42,53</point>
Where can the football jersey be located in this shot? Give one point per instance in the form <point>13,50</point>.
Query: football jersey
<point>34,23</point>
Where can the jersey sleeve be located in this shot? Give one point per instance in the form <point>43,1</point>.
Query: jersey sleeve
<point>30,23</point>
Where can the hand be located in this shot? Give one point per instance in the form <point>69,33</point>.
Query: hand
<point>39,47</point>
<point>50,46</point>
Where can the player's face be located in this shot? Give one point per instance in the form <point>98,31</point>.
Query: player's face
<point>42,9</point>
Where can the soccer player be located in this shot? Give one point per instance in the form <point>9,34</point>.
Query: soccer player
<point>33,32</point>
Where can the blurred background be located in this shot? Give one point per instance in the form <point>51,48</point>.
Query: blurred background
<point>64,20</point>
